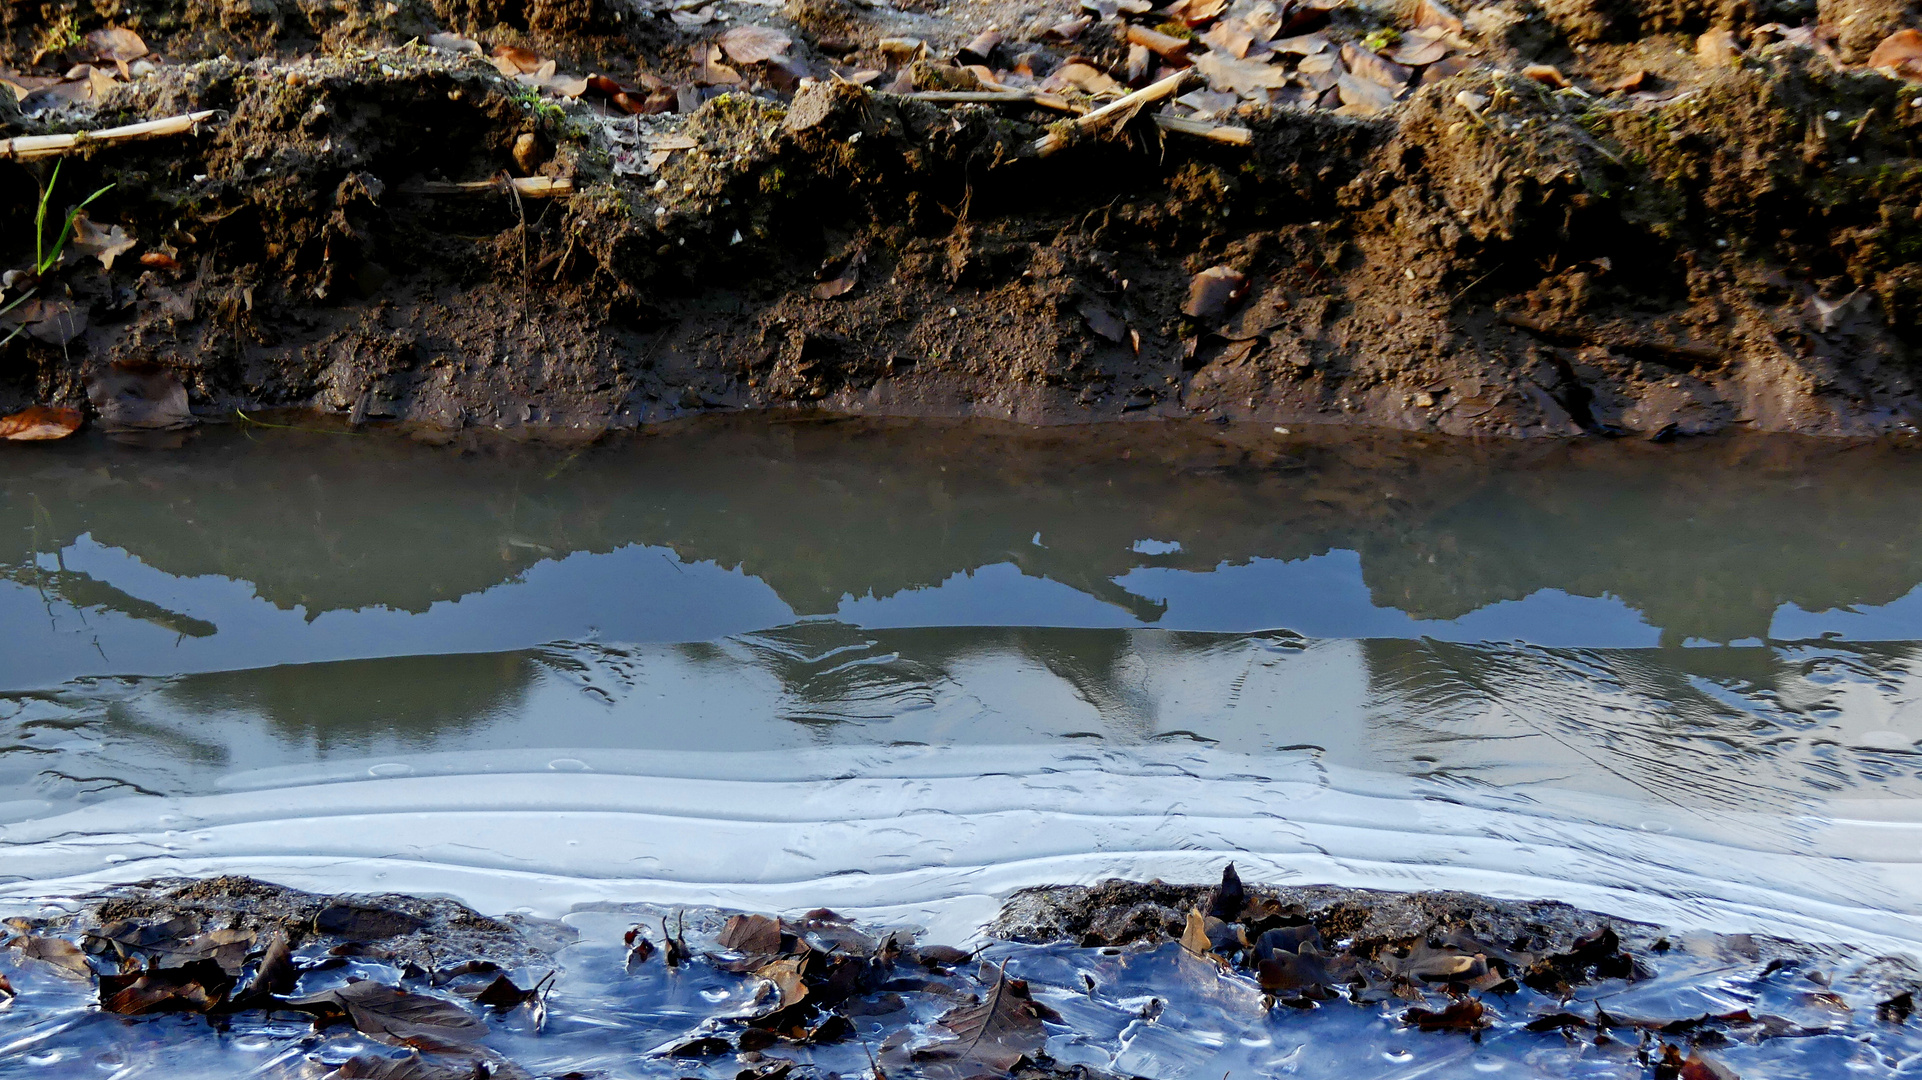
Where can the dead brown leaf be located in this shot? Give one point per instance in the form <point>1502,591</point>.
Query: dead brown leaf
<point>1104,322</point>
<point>1302,44</point>
<point>1066,32</point>
<point>39,423</point>
<point>751,934</point>
<point>1374,67</point>
<point>1245,77</point>
<point>999,1032</point>
<point>1632,83</point>
<point>276,973</point>
<point>1467,1015</point>
<point>1086,78</point>
<point>839,276</point>
<point>1434,15</point>
<point>787,980</point>
<point>453,43</point>
<point>1213,291</point>
<point>1900,52</point>
<point>116,43</point>
<point>512,60</point>
<point>1547,75</point>
<point>1698,1067</point>
<point>1198,12</point>
<point>1232,36</point>
<point>198,987</point>
<point>548,77</point>
<point>103,244</point>
<point>56,322</point>
<point>64,956</point>
<point>1418,48</point>
<point>139,400</point>
<point>754,44</point>
<point>393,1015</point>
<point>710,71</point>
<point>503,993</point>
<point>1194,937</point>
<point>1717,47</point>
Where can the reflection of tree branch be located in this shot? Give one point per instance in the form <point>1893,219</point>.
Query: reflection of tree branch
<point>109,781</point>
<point>1075,569</point>
<point>81,590</point>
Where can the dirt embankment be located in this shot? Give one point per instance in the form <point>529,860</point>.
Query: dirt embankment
<point>1604,216</point>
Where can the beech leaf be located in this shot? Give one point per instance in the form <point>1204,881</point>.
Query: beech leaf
<point>65,956</point>
<point>754,44</point>
<point>751,934</point>
<point>999,1032</point>
<point>394,1015</point>
<point>38,423</point>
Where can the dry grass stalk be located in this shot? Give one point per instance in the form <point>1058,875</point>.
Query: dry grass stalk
<point>1125,107</point>
<point>29,147</point>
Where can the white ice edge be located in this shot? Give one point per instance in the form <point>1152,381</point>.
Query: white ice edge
<point>940,837</point>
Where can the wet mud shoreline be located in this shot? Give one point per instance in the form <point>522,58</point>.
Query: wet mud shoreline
<point>1510,219</point>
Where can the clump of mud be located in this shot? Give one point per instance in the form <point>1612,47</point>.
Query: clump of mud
<point>157,919</point>
<point>1639,216</point>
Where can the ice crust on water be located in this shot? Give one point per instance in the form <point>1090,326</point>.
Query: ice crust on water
<point>937,835</point>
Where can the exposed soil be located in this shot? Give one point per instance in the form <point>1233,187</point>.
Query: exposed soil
<point>1733,240</point>
<point>423,933</point>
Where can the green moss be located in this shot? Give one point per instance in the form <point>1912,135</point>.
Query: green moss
<point>1382,39</point>
<point>62,34</point>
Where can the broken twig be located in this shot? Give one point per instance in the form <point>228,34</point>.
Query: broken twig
<point>28,147</point>
<point>1202,129</point>
<point>527,187</point>
<point>996,97</point>
<point>1127,106</point>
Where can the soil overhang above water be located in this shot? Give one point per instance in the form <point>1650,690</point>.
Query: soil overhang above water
<point>1631,218</point>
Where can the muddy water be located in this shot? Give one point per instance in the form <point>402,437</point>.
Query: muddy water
<point>905,669</point>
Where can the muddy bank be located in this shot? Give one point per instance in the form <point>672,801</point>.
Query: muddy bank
<point>435,989</point>
<point>1514,219</point>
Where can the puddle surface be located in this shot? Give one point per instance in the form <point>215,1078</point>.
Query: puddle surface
<point>903,670</point>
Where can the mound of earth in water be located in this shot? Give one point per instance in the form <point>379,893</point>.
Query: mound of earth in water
<point>1665,217</point>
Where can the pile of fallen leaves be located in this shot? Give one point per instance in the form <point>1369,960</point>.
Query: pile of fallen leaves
<point>1446,981</point>
<point>177,965</point>
<point>820,970</point>
<point>101,61</point>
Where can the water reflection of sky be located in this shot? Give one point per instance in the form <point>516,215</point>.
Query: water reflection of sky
<point>646,593</point>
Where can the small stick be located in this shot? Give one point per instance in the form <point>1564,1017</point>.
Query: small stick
<point>1167,87</point>
<point>527,187</point>
<point>28,147</point>
<point>997,97</point>
<point>973,97</point>
<point>1166,46</point>
<point>1202,129</point>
